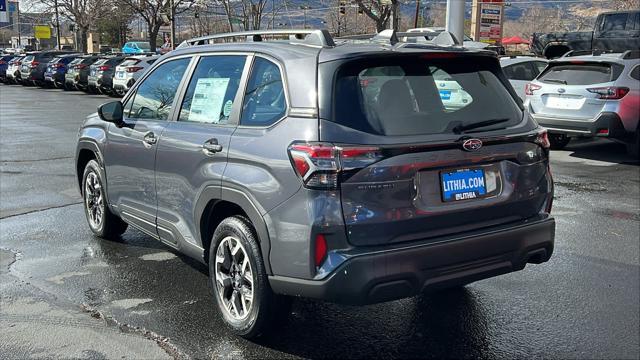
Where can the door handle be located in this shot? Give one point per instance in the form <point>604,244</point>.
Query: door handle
<point>211,146</point>
<point>149,139</point>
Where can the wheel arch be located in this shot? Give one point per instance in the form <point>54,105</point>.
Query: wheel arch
<point>85,152</point>
<point>215,205</point>
<point>555,49</point>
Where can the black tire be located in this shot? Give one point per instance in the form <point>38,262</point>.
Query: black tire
<point>633,147</point>
<point>558,141</point>
<point>110,226</point>
<point>267,309</point>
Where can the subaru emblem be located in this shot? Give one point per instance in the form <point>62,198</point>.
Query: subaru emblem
<point>561,90</point>
<point>472,144</point>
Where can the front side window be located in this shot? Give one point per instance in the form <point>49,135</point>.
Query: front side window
<point>417,96</point>
<point>614,22</point>
<point>154,96</point>
<point>264,101</point>
<point>212,89</point>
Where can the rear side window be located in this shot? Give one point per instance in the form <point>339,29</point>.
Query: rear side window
<point>635,73</point>
<point>212,89</point>
<point>416,95</point>
<point>520,71</point>
<point>580,73</point>
<point>154,97</point>
<point>264,101</point>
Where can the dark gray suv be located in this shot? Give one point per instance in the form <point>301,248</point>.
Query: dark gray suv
<point>353,173</point>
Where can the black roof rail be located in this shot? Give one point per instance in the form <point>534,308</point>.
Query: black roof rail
<point>630,54</point>
<point>297,36</point>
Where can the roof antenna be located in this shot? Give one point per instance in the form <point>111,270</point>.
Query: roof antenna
<point>386,36</point>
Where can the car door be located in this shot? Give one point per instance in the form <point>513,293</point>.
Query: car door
<point>192,151</point>
<point>131,156</point>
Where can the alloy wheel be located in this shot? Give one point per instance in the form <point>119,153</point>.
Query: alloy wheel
<point>234,278</point>
<point>94,200</point>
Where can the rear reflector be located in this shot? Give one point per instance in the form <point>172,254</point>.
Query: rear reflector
<point>320,249</point>
<point>543,140</point>
<point>603,132</point>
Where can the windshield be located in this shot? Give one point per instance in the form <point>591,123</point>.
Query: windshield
<point>414,95</point>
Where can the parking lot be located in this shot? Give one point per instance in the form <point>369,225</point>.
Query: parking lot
<point>67,293</point>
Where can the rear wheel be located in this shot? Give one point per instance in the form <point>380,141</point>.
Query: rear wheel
<point>101,220</point>
<point>239,280</point>
<point>558,141</point>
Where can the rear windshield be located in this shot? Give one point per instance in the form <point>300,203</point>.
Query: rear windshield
<point>416,95</point>
<point>100,61</point>
<point>28,58</point>
<point>580,73</point>
<point>129,62</point>
<point>76,61</point>
<point>113,61</point>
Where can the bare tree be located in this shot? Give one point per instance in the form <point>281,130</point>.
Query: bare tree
<point>248,12</point>
<point>153,12</point>
<point>380,11</point>
<point>82,12</point>
<point>624,4</point>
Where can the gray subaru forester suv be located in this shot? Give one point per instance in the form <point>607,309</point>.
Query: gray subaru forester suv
<point>352,173</point>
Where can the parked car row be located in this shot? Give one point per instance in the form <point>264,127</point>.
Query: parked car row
<point>94,73</point>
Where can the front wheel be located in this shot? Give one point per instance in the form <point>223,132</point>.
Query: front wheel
<point>101,220</point>
<point>558,141</point>
<point>239,280</point>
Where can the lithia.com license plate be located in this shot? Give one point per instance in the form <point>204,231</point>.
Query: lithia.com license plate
<point>463,184</point>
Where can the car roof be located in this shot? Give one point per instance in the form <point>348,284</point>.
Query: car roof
<point>604,57</point>
<point>287,52</point>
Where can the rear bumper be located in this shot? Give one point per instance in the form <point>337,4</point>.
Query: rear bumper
<point>607,124</point>
<point>393,274</point>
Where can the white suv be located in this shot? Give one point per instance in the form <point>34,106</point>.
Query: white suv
<point>130,70</point>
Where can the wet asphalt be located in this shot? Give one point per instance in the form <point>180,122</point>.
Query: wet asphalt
<point>65,293</point>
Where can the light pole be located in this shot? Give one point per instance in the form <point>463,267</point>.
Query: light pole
<point>304,11</point>
<point>55,5</point>
<point>172,11</point>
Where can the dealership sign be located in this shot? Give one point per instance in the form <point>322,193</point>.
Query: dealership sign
<point>490,23</point>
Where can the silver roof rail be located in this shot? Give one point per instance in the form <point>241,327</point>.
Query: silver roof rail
<point>296,36</point>
<point>392,37</point>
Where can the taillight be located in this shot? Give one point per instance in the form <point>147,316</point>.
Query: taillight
<point>132,69</point>
<point>320,250</point>
<point>2,62</point>
<point>18,62</point>
<point>543,140</point>
<point>58,65</point>
<point>80,66</point>
<point>529,88</point>
<point>34,64</point>
<point>104,67</point>
<point>319,164</point>
<point>610,92</point>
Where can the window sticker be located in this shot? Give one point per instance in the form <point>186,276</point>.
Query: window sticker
<point>226,111</point>
<point>207,100</point>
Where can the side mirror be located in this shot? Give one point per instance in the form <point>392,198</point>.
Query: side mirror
<point>111,112</point>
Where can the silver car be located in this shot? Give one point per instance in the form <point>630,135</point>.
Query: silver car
<point>130,70</point>
<point>588,96</point>
<point>520,70</point>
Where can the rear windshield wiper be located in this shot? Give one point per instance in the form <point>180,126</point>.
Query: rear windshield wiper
<point>462,128</point>
<point>557,81</point>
